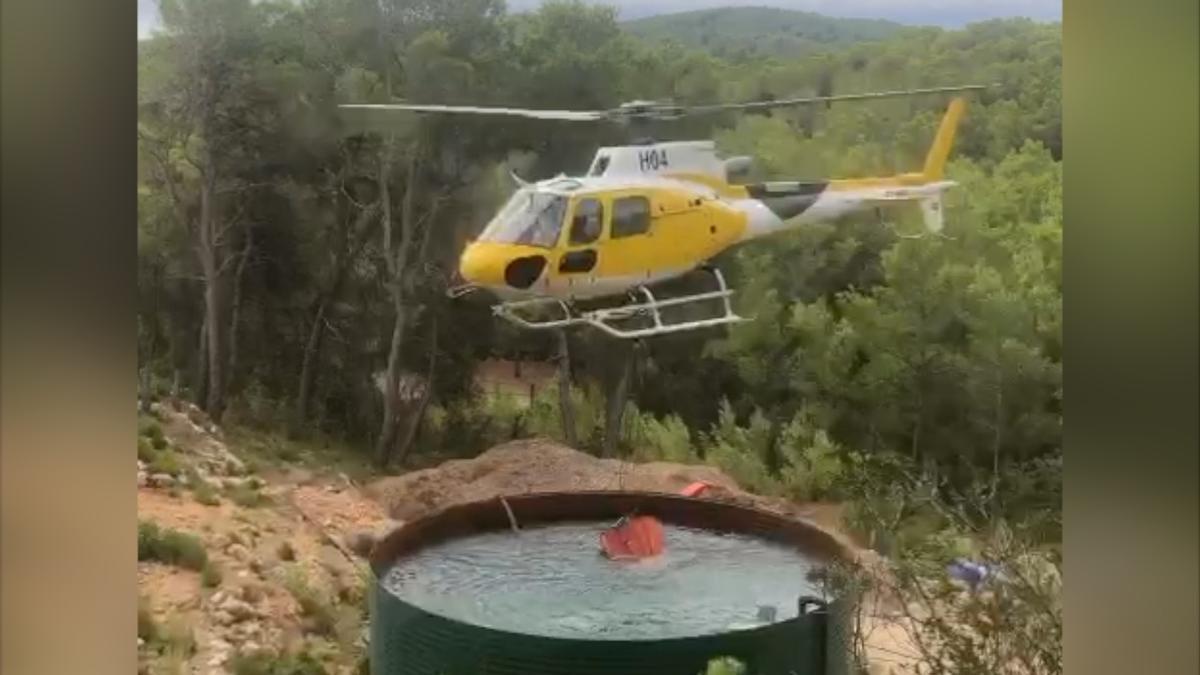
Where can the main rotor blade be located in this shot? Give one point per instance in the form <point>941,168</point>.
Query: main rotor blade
<point>762,105</point>
<point>570,115</point>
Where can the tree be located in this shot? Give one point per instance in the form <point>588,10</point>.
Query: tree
<point>191,133</point>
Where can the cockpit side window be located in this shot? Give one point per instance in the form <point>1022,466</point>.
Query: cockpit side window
<point>588,221</point>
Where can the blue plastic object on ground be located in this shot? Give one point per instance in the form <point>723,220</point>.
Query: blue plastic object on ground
<point>971,573</point>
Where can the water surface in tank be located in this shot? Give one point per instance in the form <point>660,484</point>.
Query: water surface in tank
<point>553,581</point>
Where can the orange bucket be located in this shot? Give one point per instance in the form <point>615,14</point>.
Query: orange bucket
<point>640,536</point>
<point>631,538</point>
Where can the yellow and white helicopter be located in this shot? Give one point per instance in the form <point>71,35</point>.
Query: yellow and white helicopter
<point>648,213</point>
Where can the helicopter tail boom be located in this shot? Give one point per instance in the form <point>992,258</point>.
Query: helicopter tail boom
<point>789,204</point>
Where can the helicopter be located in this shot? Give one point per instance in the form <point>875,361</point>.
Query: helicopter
<point>593,249</point>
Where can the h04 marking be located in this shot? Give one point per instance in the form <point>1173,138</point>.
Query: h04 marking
<point>652,160</point>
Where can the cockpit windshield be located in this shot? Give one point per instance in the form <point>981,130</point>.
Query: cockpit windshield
<point>531,217</point>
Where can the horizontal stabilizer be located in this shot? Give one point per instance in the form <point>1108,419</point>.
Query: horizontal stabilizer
<point>927,196</point>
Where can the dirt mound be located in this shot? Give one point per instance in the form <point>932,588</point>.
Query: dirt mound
<point>539,465</point>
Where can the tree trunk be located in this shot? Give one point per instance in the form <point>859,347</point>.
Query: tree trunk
<point>312,347</point>
<point>391,403</point>
<point>236,311</point>
<point>146,385</point>
<point>210,264</point>
<point>214,400</point>
<point>418,415</point>
<point>566,406</point>
<point>201,377</point>
<point>397,261</point>
<point>615,405</point>
<point>996,441</point>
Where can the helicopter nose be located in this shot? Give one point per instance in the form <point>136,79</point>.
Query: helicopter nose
<point>499,265</point>
<point>482,265</point>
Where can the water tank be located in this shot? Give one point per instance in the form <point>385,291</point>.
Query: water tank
<point>410,640</point>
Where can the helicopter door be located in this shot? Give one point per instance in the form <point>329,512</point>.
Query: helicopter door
<point>582,250</point>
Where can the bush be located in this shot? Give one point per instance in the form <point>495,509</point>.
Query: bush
<point>145,450</point>
<point>210,576</point>
<point>319,611</point>
<point>177,639</point>
<point>171,547</point>
<point>166,462</point>
<point>205,493</point>
<point>813,472</point>
<point>544,418</point>
<point>247,497</point>
<point>263,662</point>
<point>151,430</point>
<point>744,467</point>
<point>666,440</point>
<point>148,539</point>
<point>725,666</point>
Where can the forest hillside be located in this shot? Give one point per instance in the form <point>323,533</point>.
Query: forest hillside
<point>742,32</point>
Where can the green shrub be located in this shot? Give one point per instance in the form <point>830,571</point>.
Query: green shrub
<point>745,467</point>
<point>313,605</point>
<point>205,493</point>
<point>166,462</point>
<point>543,417</point>
<point>170,546</point>
<point>665,440</point>
<point>210,576</point>
<point>263,662</point>
<point>725,666</point>
<point>148,539</point>
<point>814,472</point>
<point>177,639</point>
<point>145,450</point>
<point>150,429</point>
<point>247,497</point>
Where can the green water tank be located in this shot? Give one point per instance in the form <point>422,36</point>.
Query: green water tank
<point>406,640</point>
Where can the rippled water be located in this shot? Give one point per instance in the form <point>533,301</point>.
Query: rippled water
<point>553,581</point>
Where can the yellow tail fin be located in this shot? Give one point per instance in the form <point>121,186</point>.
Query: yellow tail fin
<point>935,161</point>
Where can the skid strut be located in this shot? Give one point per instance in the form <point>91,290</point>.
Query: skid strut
<point>606,319</point>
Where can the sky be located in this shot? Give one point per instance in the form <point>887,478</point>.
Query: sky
<point>947,13</point>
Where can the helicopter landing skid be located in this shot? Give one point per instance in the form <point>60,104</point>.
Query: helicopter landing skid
<point>607,319</point>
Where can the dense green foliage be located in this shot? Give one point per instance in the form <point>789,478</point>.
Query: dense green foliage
<point>289,255</point>
<point>747,32</point>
